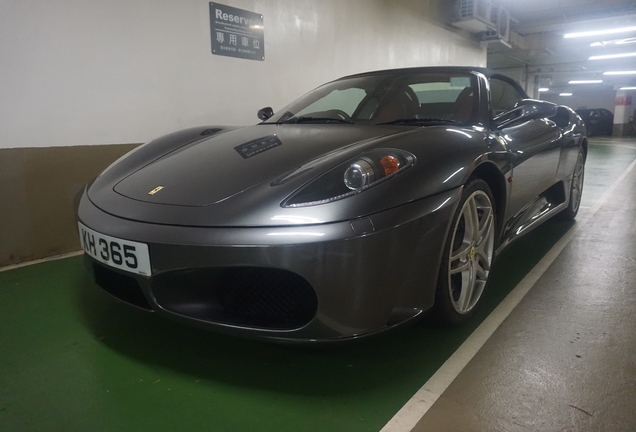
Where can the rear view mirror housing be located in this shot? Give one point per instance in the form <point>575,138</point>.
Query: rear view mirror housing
<point>265,113</point>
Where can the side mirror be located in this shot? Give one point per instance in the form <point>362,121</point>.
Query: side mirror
<point>265,113</point>
<point>527,109</point>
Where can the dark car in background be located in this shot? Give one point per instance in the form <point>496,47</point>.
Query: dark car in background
<point>358,207</point>
<point>598,121</point>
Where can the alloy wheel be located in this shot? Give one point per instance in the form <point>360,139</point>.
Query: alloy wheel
<point>577,183</point>
<point>471,252</point>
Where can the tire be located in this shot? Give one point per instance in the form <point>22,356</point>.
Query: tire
<point>576,189</point>
<point>467,256</point>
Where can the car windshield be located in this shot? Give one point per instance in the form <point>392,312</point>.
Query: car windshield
<point>397,98</point>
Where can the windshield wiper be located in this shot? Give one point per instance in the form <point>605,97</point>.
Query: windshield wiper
<point>315,120</point>
<point>420,121</point>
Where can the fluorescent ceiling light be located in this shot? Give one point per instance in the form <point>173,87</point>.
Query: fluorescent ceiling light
<point>628,88</point>
<point>620,72</point>
<point>585,82</point>
<point>543,89</point>
<point>627,41</point>
<point>599,32</point>
<point>611,56</point>
<point>565,94</point>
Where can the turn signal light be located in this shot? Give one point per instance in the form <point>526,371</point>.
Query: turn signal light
<point>390,164</point>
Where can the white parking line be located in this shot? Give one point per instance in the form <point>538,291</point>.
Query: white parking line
<point>427,395</point>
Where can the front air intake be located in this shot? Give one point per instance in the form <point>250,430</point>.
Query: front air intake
<point>121,286</point>
<point>252,297</point>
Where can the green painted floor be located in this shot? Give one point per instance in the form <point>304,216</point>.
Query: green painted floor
<point>73,359</point>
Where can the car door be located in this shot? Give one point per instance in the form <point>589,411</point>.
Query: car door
<point>534,146</point>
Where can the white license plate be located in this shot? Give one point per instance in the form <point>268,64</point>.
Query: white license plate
<point>122,254</point>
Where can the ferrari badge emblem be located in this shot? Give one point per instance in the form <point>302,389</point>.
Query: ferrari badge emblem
<point>155,190</point>
<point>472,252</point>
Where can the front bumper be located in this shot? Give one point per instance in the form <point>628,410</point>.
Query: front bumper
<point>365,275</point>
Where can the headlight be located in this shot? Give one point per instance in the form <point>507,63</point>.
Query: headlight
<point>352,177</point>
<point>359,174</point>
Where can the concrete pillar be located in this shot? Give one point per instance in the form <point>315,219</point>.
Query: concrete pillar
<point>624,113</point>
<point>532,86</point>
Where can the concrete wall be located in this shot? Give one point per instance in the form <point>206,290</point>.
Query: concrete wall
<point>90,73</point>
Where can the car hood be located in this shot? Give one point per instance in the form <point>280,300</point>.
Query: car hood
<point>212,170</point>
<point>240,177</point>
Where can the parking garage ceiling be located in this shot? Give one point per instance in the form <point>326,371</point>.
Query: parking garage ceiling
<point>537,41</point>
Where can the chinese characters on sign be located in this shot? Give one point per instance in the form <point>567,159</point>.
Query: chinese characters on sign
<point>237,32</point>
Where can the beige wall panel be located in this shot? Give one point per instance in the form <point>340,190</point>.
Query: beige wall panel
<point>37,190</point>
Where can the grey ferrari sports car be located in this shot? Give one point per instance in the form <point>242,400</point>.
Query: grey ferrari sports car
<point>354,209</point>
